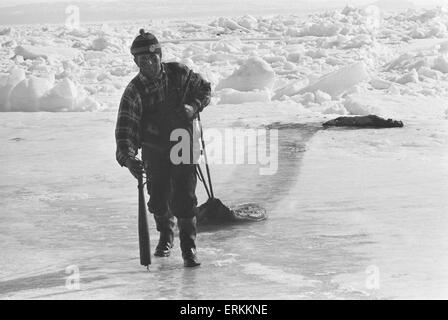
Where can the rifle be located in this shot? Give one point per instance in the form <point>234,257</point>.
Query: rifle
<point>143,227</point>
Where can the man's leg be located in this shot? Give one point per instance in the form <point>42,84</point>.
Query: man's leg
<point>158,185</point>
<point>183,203</point>
<point>165,225</point>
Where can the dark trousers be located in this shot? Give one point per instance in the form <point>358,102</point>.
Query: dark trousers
<point>171,188</point>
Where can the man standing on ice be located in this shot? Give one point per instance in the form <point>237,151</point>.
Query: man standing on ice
<point>149,111</point>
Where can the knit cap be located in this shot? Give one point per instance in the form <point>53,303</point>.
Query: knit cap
<point>145,42</point>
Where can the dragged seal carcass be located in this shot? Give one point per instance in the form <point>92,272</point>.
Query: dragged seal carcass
<point>370,121</point>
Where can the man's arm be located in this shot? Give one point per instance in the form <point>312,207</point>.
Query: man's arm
<point>199,92</point>
<point>127,130</point>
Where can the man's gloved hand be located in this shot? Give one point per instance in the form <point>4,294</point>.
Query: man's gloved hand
<point>135,166</point>
<point>186,113</point>
<point>189,111</point>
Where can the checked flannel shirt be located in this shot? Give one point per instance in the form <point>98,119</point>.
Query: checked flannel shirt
<point>127,130</point>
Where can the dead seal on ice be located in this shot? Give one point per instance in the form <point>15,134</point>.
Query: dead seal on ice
<point>370,121</point>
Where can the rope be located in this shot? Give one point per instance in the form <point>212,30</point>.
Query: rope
<point>205,158</point>
<point>198,168</point>
<point>142,178</point>
<point>201,178</point>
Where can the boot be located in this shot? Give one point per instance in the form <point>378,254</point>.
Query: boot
<point>165,225</point>
<point>187,236</point>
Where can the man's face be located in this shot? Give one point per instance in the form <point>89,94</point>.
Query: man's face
<point>149,64</point>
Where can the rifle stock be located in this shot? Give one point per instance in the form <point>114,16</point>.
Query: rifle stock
<point>143,228</point>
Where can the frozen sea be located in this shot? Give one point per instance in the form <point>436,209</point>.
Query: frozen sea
<point>344,206</point>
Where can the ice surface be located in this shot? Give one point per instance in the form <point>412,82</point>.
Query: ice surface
<point>342,202</point>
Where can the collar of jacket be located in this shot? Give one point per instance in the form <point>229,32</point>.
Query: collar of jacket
<point>151,85</point>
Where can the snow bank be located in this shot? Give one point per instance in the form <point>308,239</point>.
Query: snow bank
<point>66,96</point>
<point>291,89</point>
<point>396,106</point>
<point>336,108</point>
<point>61,97</point>
<point>235,56</point>
<point>27,94</point>
<point>94,55</point>
<point>231,96</point>
<point>233,46</point>
<point>7,84</point>
<point>358,41</point>
<point>380,84</point>
<point>339,81</point>
<point>427,23</point>
<point>231,24</point>
<point>322,29</point>
<point>248,22</point>
<point>356,106</point>
<point>409,77</point>
<point>254,73</point>
<point>33,52</point>
<point>6,31</point>
<point>441,63</point>
<point>100,44</point>
<point>21,93</point>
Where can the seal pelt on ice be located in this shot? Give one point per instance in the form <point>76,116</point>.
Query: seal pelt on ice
<point>370,121</point>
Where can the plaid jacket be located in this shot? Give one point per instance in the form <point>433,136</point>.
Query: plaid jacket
<point>128,128</point>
